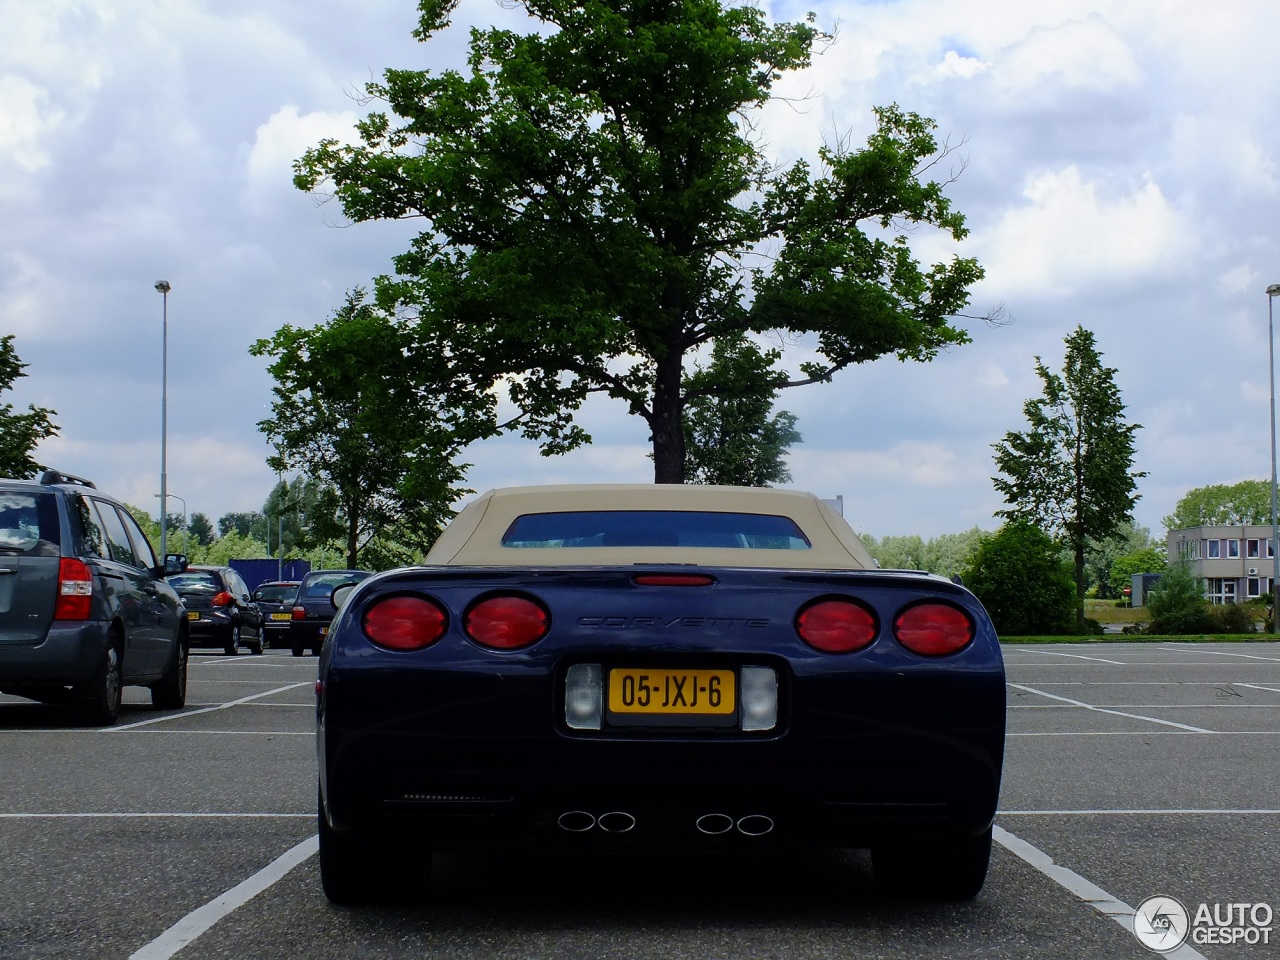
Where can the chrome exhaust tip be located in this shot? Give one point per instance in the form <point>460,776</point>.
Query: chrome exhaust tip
<point>755,825</point>
<point>576,821</point>
<point>714,824</point>
<point>616,821</point>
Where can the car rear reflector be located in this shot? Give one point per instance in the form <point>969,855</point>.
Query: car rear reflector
<point>673,580</point>
<point>403,623</point>
<point>837,626</point>
<point>75,590</point>
<point>933,629</point>
<point>507,622</point>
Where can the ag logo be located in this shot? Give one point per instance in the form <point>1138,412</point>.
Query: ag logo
<point>1161,924</point>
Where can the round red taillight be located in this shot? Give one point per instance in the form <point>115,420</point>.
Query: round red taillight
<point>933,629</point>
<point>836,626</point>
<point>506,623</point>
<point>403,623</point>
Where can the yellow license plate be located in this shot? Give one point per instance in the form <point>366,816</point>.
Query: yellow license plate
<point>192,615</point>
<point>282,616</point>
<point>672,692</point>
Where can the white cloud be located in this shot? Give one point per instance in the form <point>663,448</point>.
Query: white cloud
<point>955,65</point>
<point>284,137</point>
<point>1079,55</point>
<point>1072,233</point>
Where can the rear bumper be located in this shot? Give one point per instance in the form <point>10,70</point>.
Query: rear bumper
<point>871,761</point>
<point>211,629</point>
<point>70,653</point>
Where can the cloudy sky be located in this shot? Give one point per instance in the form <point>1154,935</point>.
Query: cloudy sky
<point>1119,171</point>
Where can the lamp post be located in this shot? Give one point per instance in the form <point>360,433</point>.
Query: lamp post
<point>1273,291</point>
<point>163,510</point>
<point>163,287</point>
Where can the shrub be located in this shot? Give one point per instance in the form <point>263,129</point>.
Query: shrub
<point>1231,618</point>
<point>1019,575</point>
<point>1177,605</point>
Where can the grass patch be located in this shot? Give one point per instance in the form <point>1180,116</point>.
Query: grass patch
<point>1146,638</point>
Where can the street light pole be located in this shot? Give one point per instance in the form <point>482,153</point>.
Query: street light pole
<point>164,288</point>
<point>1273,291</point>
<point>164,510</point>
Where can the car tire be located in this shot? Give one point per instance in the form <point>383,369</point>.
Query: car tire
<point>945,870</point>
<point>297,649</point>
<point>257,646</point>
<point>232,647</point>
<point>171,692</point>
<point>356,871</point>
<point>101,705</point>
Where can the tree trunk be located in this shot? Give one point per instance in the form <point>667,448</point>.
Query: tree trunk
<point>1079,564</point>
<point>667,423</point>
<point>353,527</point>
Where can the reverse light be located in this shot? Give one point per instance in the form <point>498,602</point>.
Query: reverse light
<point>75,590</point>
<point>933,629</point>
<point>758,697</point>
<point>836,626</point>
<point>583,697</point>
<point>506,622</point>
<point>404,623</point>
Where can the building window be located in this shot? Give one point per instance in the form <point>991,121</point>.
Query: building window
<point>1233,549</point>
<point>1251,549</point>
<point>1215,549</point>
<point>1253,588</point>
<point>1221,590</point>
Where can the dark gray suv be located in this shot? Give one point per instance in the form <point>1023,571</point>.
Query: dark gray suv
<point>84,607</point>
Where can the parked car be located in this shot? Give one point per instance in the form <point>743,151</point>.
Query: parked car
<point>275,600</point>
<point>84,606</point>
<point>312,609</point>
<point>220,611</point>
<point>635,667</point>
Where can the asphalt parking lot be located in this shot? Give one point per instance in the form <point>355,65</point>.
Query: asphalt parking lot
<point>1132,771</point>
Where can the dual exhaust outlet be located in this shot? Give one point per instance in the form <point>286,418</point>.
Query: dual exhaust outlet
<point>711,824</point>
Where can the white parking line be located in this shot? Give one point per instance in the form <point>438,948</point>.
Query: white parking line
<point>1254,686</point>
<point>1090,893</point>
<point>1075,656</point>
<point>192,713</point>
<point>1116,713</point>
<point>201,919</point>
<point>1224,653</point>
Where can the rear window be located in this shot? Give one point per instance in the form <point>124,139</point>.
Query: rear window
<point>655,528</point>
<point>29,524</point>
<point>277,593</point>
<point>195,580</point>
<point>322,586</point>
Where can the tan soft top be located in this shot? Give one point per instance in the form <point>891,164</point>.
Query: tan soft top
<point>474,538</point>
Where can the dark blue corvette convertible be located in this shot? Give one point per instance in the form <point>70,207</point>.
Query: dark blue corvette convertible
<point>650,667</point>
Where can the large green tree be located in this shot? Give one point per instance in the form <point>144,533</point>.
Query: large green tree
<point>731,434</point>
<point>1070,472</point>
<point>1221,504</point>
<point>596,205</point>
<point>356,413</point>
<point>19,432</point>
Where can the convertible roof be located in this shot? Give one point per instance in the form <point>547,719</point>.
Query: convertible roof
<point>474,538</point>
